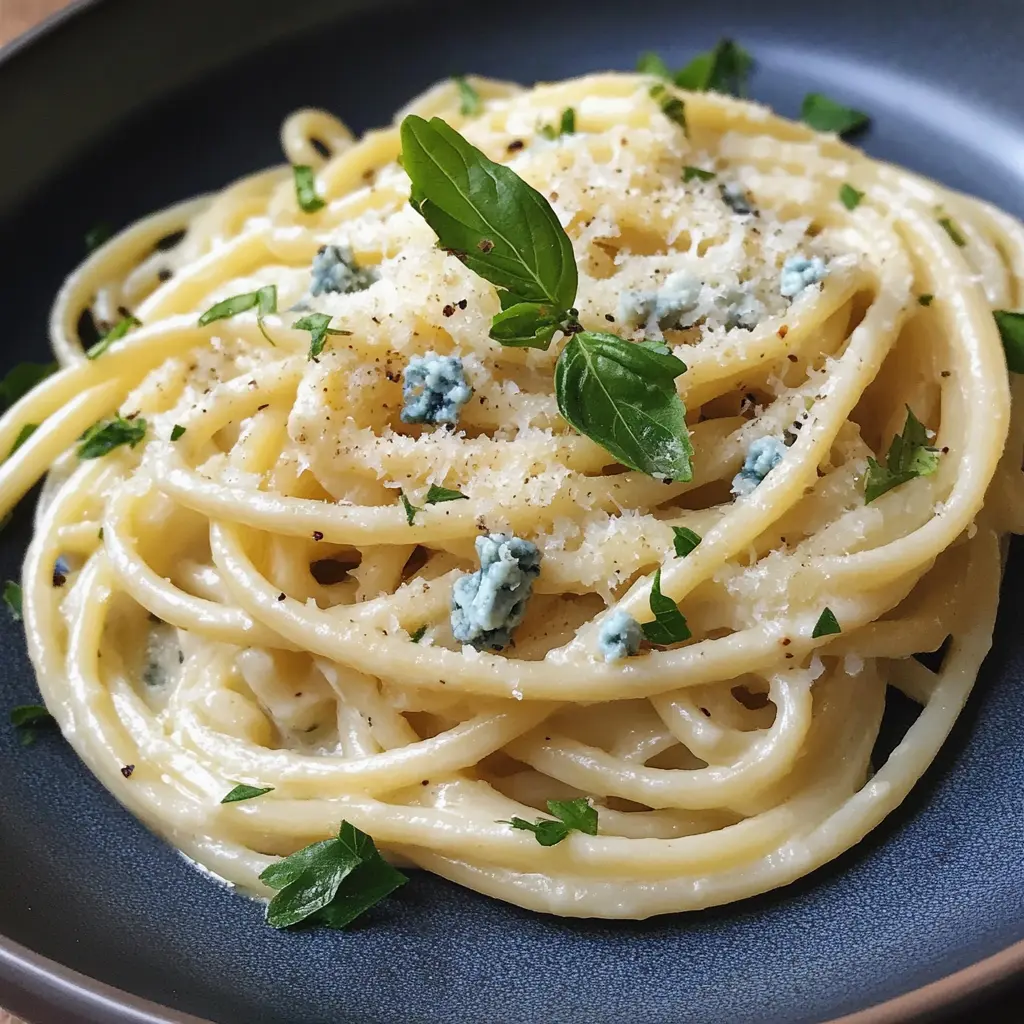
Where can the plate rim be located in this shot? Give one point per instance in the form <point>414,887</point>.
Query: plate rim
<point>38,983</point>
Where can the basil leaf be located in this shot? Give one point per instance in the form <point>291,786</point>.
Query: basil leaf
<point>623,396</point>
<point>12,598</point>
<point>437,494</point>
<point>177,431</point>
<point>23,435</point>
<point>690,172</point>
<point>849,196</point>
<point>305,189</point>
<point>103,437</point>
<point>484,213</point>
<point>685,540</point>
<point>825,115</point>
<point>97,235</point>
<point>418,635</point>
<point>953,231</point>
<point>724,69</point>
<point>1011,330</point>
<point>909,457</point>
<point>650,63</point>
<point>22,379</point>
<point>410,508</point>
<point>826,625</point>
<point>331,882</point>
<point>28,719</point>
<point>671,106</point>
<point>527,325</point>
<point>573,815</point>
<point>243,792</point>
<point>316,324</point>
<point>118,331</point>
<point>926,299</point>
<point>669,626</point>
<point>470,99</point>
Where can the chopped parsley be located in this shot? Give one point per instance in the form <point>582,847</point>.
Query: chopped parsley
<point>1011,330</point>
<point>437,494</point>
<point>305,189</point>
<point>418,635</point>
<point>724,69</point>
<point>925,300</point>
<point>243,792</point>
<point>20,380</point>
<point>909,456</point>
<point>118,331</point>
<point>103,437</point>
<point>952,229</point>
<point>23,435</point>
<point>12,598</point>
<point>669,626</point>
<point>826,625</point>
<point>317,325</point>
<point>650,63</point>
<point>691,173</point>
<point>263,300</point>
<point>570,816</point>
<point>825,115</point>
<point>410,508</point>
<point>671,106</point>
<point>470,103</point>
<point>849,196</point>
<point>685,540</point>
<point>330,883</point>
<point>566,125</point>
<point>177,431</point>
<point>28,719</point>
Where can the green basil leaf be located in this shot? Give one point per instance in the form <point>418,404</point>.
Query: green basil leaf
<point>305,189</point>
<point>826,625</point>
<point>577,814</point>
<point>118,331</point>
<point>1011,330</point>
<point>317,325</point>
<point>825,115</point>
<point>527,325</point>
<point>22,379</point>
<point>724,69</point>
<point>177,431</point>
<point>12,598</point>
<point>470,104</point>
<point>685,540</point>
<point>623,396</point>
<point>671,106</point>
<point>909,457</point>
<point>243,792</point>
<point>849,196</point>
<point>103,437</point>
<point>650,63</point>
<point>484,213</point>
<point>953,231</point>
<point>669,626</point>
<point>418,635</point>
<point>437,494</point>
<point>690,173</point>
<point>23,435</point>
<point>410,508</point>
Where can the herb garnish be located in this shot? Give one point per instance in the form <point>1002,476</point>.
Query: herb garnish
<point>316,324</point>
<point>12,598</point>
<point>263,299</point>
<point>1011,330</point>
<point>470,98</point>
<point>305,189</point>
<point>849,196</point>
<point>685,540</point>
<point>671,106</point>
<point>953,231</point>
<point>669,626</point>
<point>21,379</point>
<point>925,300</point>
<point>650,63</point>
<point>572,815</point>
<point>624,396</point>
<point>97,235</point>
<point>118,331</point>
<point>418,635</point>
<point>330,883</point>
<point>566,125</point>
<point>909,457</point>
<point>28,719</point>
<point>244,792</point>
<point>177,431</point>
<point>825,115</point>
<point>437,494</point>
<point>103,437</point>
<point>620,394</point>
<point>826,625</point>
<point>690,173</point>
<point>23,435</point>
<point>723,69</point>
<point>410,508</point>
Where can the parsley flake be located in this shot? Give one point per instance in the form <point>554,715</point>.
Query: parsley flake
<point>849,196</point>
<point>566,125</point>
<point>685,540</point>
<point>264,300</point>
<point>724,69</point>
<point>418,635</point>
<point>925,300</point>
<point>118,331</point>
<point>28,719</point>
<point>316,324</point>
<point>826,625</point>
<point>470,103</point>
<point>410,508</point>
<point>305,189</point>
<point>691,173</point>
<point>243,792</point>
<point>1011,330</point>
<point>437,494</point>
<point>951,229</point>
<point>825,115</point>
<point>12,598</point>
<point>669,626</point>
<point>671,106</point>
<point>909,456</point>
<point>571,816</point>
<point>177,431</point>
<point>23,435</point>
<point>330,883</point>
<point>103,437</point>
<point>650,63</point>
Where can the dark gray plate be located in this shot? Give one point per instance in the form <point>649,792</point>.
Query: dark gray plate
<point>132,104</point>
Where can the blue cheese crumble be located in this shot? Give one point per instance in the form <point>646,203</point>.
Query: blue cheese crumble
<point>668,308</point>
<point>620,636</point>
<point>434,389</point>
<point>335,270</point>
<point>488,604</point>
<point>799,272</point>
<point>763,456</point>
<point>743,309</point>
